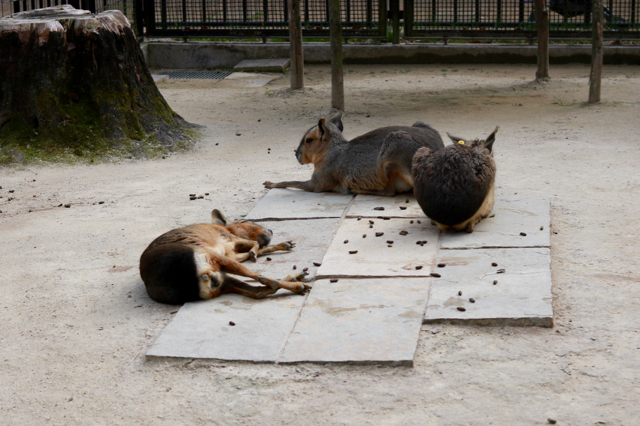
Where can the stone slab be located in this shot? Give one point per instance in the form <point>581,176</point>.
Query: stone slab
<point>281,203</point>
<point>159,78</point>
<point>247,79</point>
<point>263,65</point>
<point>522,295</point>
<point>513,215</point>
<point>374,257</point>
<point>202,329</point>
<point>312,239</point>
<point>360,320</point>
<point>363,206</point>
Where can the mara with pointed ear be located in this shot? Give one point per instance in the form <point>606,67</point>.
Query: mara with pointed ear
<point>378,162</point>
<point>195,262</point>
<point>455,185</point>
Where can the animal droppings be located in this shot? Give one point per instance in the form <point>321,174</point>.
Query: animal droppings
<point>370,226</point>
<point>346,241</point>
<point>419,267</point>
<point>472,300</point>
<point>418,221</point>
<point>67,206</point>
<point>379,234</point>
<point>403,232</point>
<point>501,271</point>
<point>541,228</point>
<point>461,309</point>
<point>389,242</point>
<point>433,274</point>
<point>359,217</point>
<point>353,251</point>
<point>232,323</point>
<point>295,267</point>
<point>378,208</point>
<point>495,282</point>
<point>410,221</point>
<point>371,222</point>
<point>317,263</point>
<point>441,265</point>
<point>403,207</point>
<point>523,234</point>
<point>552,421</point>
<point>406,201</point>
<point>192,195</point>
<point>494,264</point>
<point>460,293</point>
<point>390,245</point>
<point>333,280</point>
<point>364,235</point>
<point>305,269</point>
<point>268,259</point>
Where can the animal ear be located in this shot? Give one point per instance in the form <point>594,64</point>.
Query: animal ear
<point>488,143</point>
<point>456,139</point>
<point>336,120</point>
<point>218,217</point>
<point>325,134</point>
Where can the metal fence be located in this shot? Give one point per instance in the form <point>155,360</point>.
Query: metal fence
<point>361,19</point>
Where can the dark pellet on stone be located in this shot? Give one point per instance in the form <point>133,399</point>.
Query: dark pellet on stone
<point>268,259</point>
<point>419,267</point>
<point>317,263</point>
<point>378,208</point>
<point>406,201</point>
<point>206,193</point>
<point>371,222</point>
<point>389,242</point>
<point>192,195</point>
<point>403,207</point>
<point>359,218</point>
<point>295,267</point>
<point>305,269</point>
<point>460,293</point>
<point>441,265</point>
<point>390,245</point>
<point>495,282</point>
<point>11,191</point>
<point>433,274</point>
<point>552,421</point>
<point>192,198</point>
<point>403,232</point>
<point>541,228</point>
<point>523,234</point>
<point>494,264</point>
<point>100,202</point>
<point>353,251</point>
<point>472,300</point>
<point>501,271</point>
<point>67,205</point>
<point>346,241</point>
<point>232,323</point>
<point>461,309</point>
<point>364,235</point>
<point>410,221</point>
<point>379,234</point>
<point>333,280</point>
<point>418,221</point>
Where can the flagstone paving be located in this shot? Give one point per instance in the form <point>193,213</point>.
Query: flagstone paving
<point>384,290</point>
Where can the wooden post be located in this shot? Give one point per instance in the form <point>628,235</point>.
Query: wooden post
<point>337,74</point>
<point>542,23</point>
<point>596,53</point>
<point>395,21</point>
<point>295,37</point>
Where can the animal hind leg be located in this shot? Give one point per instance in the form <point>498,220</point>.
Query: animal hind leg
<point>234,285</point>
<point>286,246</point>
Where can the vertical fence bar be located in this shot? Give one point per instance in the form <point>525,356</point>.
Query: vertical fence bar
<point>633,12</point>
<point>328,8</point>
<point>520,11</point>
<point>139,18</point>
<point>265,11</point>
<point>498,11</point>
<point>369,17</point>
<point>204,11</point>
<point>286,9</point>
<point>90,5</point>
<point>184,12</point>
<point>477,10</point>
<point>306,10</point>
<point>382,18</point>
<point>163,13</point>
<point>348,12</point>
<point>150,17</point>
<point>434,13</point>
<point>408,18</point>
<point>16,6</point>
<point>337,72</point>
<point>455,11</point>
<point>395,21</point>
<point>225,6</point>
<point>244,10</point>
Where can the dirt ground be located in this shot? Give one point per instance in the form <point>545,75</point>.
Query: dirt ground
<point>76,320</point>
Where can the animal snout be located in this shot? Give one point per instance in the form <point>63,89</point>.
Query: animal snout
<point>265,239</point>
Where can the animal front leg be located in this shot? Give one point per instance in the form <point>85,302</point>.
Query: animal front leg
<point>308,185</point>
<point>246,249</point>
<point>234,285</point>
<point>286,246</point>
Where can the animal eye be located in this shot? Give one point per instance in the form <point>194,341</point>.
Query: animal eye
<point>309,140</point>
<point>206,277</point>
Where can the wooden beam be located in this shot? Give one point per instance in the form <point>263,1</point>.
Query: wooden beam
<point>542,23</point>
<point>596,52</point>
<point>295,39</point>
<point>337,74</point>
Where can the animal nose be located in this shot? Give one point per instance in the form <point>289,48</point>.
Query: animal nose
<point>270,231</point>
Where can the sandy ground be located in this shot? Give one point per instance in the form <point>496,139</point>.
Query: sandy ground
<point>76,321</point>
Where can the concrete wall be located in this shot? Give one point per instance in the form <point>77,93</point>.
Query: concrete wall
<point>200,55</point>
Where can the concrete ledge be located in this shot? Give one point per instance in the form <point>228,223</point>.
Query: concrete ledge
<point>201,55</point>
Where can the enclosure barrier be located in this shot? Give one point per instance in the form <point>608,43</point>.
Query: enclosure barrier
<point>383,20</point>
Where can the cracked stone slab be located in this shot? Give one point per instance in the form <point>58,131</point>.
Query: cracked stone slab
<point>374,257</point>
<point>282,203</point>
<point>522,295</point>
<point>203,329</point>
<point>360,320</point>
<point>513,216</point>
<point>404,205</point>
<point>312,239</point>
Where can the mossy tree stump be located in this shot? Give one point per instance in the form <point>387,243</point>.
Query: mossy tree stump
<point>74,83</point>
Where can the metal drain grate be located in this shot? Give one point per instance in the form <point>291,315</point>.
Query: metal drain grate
<point>197,75</point>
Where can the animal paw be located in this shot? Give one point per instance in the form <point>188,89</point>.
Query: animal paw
<point>303,288</point>
<point>268,185</point>
<point>269,282</point>
<point>289,245</point>
<point>253,256</point>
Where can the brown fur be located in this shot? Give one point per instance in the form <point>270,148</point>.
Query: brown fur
<point>377,163</point>
<point>192,263</point>
<point>455,185</point>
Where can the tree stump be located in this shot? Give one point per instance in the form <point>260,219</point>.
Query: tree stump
<point>74,83</point>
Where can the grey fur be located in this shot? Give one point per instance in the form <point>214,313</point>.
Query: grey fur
<point>455,185</point>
